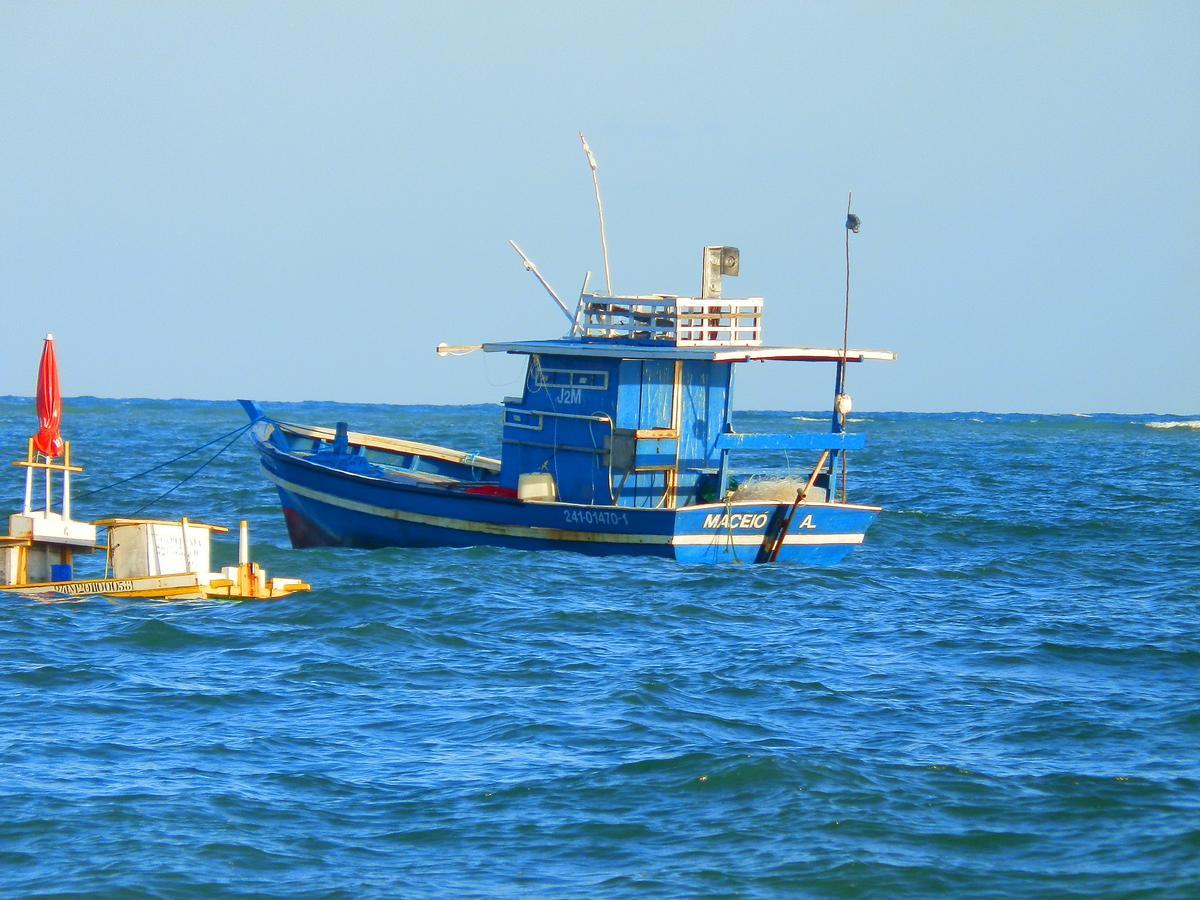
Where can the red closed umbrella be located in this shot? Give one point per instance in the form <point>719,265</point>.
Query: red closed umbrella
<point>48,441</point>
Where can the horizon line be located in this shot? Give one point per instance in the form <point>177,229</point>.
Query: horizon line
<point>946,412</point>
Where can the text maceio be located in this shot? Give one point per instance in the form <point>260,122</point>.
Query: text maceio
<point>748,521</point>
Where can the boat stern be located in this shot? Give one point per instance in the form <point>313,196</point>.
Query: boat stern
<point>817,534</point>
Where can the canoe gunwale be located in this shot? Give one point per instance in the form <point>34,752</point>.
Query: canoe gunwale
<point>450,487</point>
<point>393,445</point>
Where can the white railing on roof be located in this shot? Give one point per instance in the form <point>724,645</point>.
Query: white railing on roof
<point>681,321</point>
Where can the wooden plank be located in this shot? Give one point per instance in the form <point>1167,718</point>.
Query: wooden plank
<point>772,548</point>
<point>220,529</point>
<point>396,445</point>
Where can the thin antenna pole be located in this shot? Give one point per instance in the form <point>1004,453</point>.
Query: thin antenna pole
<point>846,319</point>
<point>530,267</point>
<point>846,328</point>
<point>591,159</point>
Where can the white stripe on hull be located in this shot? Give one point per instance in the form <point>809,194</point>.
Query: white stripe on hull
<point>523,531</point>
<point>747,540</point>
<point>553,534</point>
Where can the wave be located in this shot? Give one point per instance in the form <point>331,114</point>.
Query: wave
<point>1191,423</point>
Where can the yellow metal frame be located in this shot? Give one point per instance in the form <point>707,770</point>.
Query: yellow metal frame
<point>65,466</point>
<point>109,523</point>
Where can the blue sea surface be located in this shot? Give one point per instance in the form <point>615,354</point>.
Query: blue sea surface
<point>998,694</point>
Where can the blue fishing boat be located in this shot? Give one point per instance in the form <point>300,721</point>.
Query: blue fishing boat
<point>620,443</point>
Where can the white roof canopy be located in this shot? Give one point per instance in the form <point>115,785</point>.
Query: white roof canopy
<point>713,354</point>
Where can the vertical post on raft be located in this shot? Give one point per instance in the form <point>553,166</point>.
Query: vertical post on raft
<point>66,481</point>
<point>839,427</point>
<point>29,480</point>
<point>187,559</point>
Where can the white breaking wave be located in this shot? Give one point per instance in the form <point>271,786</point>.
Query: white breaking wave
<point>826,419</point>
<point>1191,423</point>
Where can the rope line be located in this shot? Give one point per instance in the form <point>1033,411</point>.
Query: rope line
<point>237,432</point>
<point>196,471</point>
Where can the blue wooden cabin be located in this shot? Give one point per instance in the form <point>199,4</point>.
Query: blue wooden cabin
<point>634,407</point>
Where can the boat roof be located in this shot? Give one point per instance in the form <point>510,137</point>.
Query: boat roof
<point>710,354</point>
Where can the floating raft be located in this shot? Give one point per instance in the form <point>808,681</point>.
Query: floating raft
<point>147,558</point>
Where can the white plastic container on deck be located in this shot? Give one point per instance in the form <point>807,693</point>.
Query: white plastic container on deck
<point>537,487</point>
<point>139,548</point>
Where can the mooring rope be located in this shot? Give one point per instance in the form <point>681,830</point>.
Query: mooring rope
<point>236,433</point>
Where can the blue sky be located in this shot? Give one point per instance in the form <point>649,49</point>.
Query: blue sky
<point>298,201</point>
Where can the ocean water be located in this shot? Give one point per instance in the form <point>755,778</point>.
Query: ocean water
<point>997,695</point>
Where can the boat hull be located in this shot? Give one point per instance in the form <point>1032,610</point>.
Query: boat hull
<point>325,506</point>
